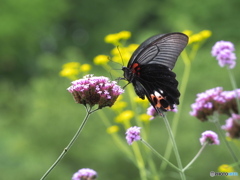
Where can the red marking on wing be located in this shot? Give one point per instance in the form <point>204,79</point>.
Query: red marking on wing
<point>135,68</point>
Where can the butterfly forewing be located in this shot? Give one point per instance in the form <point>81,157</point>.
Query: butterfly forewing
<point>160,49</point>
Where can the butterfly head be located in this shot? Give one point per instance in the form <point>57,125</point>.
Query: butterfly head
<point>127,73</point>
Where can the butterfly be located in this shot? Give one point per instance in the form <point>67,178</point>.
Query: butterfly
<point>150,70</point>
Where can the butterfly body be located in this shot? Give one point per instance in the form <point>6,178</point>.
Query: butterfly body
<point>150,69</point>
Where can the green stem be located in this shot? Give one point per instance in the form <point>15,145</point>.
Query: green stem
<point>197,155</point>
<point>226,143</point>
<point>176,118</point>
<point>159,155</point>
<point>140,161</point>
<point>116,138</point>
<point>66,149</point>
<point>175,149</point>
<point>234,85</point>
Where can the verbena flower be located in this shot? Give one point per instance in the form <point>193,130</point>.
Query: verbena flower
<point>215,100</point>
<point>85,174</point>
<point>223,51</point>
<point>232,126</point>
<point>205,104</point>
<point>95,90</point>
<point>230,104</point>
<point>210,137</point>
<point>152,112</point>
<point>133,134</point>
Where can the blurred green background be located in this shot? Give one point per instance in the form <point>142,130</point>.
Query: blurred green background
<point>38,116</point>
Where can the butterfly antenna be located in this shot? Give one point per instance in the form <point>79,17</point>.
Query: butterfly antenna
<point>120,55</point>
<point>115,62</point>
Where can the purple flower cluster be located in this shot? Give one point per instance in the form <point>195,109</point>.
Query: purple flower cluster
<point>223,51</point>
<point>151,111</point>
<point>95,90</point>
<point>232,126</point>
<point>85,174</point>
<point>215,100</point>
<point>210,137</point>
<point>133,134</point>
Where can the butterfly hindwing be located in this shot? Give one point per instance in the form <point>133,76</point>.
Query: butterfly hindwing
<point>158,84</point>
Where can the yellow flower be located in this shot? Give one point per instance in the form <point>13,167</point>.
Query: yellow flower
<point>85,67</point>
<point>101,59</point>
<point>187,32</point>
<point>119,105</point>
<point>112,129</point>
<point>145,117</point>
<point>71,65</point>
<point>70,70</point>
<point>112,39</point>
<point>132,47</point>
<point>115,38</point>
<point>124,35</point>
<point>124,116</point>
<point>206,34</point>
<point>195,38</point>
<point>143,102</point>
<point>67,72</point>
<point>225,168</point>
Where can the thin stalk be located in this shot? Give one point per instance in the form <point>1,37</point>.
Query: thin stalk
<point>176,117</point>
<point>197,155</point>
<point>159,155</point>
<point>140,161</point>
<point>175,149</point>
<point>66,149</point>
<point>116,138</point>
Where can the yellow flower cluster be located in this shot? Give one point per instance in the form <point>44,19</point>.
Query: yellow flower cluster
<point>124,116</point>
<point>120,53</point>
<point>194,38</point>
<point>115,38</point>
<point>101,59</point>
<point>119,105</point>
<point>72,69</point>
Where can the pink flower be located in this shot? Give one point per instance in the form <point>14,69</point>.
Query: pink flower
<point>223,51</point>
<point>209,137</point>
<point>95,90</point>
<point>133,134</point>
<point>232,126</point>
<point>85,174</point>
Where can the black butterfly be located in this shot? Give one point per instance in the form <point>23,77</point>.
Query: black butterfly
<point>150,69</point>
